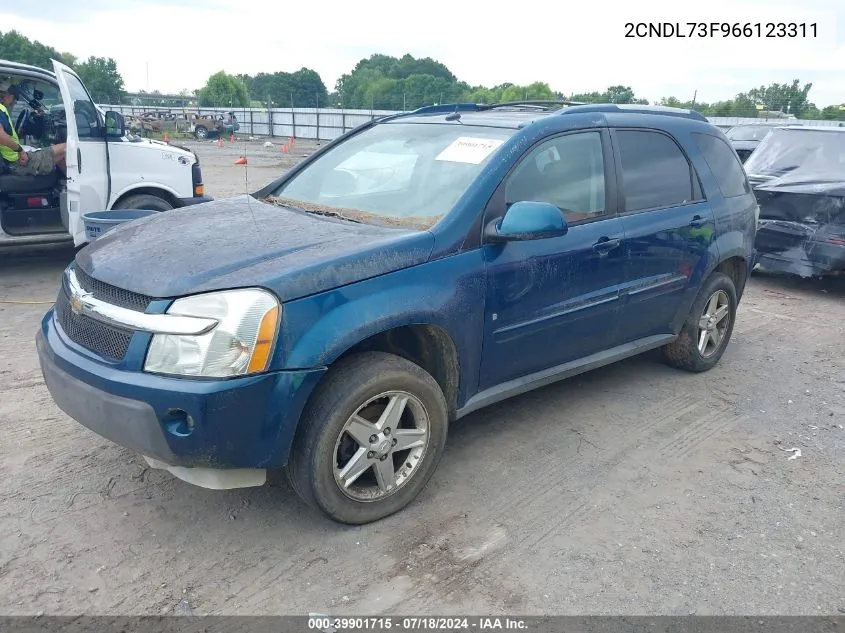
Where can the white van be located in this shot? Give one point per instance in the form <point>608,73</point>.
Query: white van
<point>107,168</point>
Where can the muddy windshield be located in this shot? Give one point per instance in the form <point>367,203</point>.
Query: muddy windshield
<point>395,174</point>
<point>811,155</point>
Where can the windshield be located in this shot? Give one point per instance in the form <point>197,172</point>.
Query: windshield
<point>400,174</point>
<point>808,154</point>
<point>749,132</point>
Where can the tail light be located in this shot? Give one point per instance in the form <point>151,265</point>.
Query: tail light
<point>37,203</point>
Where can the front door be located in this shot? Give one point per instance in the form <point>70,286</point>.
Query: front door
<point>670,228</point>
<point>87,167</point>
<point>554,300</point>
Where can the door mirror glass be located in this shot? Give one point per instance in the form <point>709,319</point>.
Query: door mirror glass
<point>528,220</point>
<point>115,124</point>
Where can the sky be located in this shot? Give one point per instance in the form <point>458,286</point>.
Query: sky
<point>170,45</point>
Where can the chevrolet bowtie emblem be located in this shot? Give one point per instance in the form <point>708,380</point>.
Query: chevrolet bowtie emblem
<point>76,301</point>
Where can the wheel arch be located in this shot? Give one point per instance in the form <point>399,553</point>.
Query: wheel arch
<point>159,191</point>
<point>426,345</point>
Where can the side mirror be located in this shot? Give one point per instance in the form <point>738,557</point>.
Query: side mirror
<point>115,124</point>
<point>528,220</point>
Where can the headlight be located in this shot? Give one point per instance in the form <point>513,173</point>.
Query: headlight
<point>240,344</point>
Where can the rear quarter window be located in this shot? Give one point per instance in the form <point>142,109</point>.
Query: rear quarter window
<point>726,168</point>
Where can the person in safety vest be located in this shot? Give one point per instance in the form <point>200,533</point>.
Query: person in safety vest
<point>18,161</point>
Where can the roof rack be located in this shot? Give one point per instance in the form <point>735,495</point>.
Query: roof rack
<point>636,109</point>
<point>446,108</point>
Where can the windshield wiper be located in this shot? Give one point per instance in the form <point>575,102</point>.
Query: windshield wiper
<point>307,207</point>
<point>329,214</point>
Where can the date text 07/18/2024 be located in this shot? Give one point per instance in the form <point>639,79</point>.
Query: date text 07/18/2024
<point>766,30</point>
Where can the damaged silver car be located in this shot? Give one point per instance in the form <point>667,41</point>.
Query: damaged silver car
<point>798,177</point>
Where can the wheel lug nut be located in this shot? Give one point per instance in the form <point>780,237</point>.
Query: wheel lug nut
<point>373,439</point>
<point>387,431</point>
<point>382,458</point>
<point>370,455</point>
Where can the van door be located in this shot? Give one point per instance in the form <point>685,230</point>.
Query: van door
<point>87,167</point>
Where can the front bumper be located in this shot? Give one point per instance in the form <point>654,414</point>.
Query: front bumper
<point>240,423</point>
<point>189,202</point>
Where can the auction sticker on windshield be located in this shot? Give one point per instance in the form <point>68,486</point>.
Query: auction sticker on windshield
<point>467,149</point>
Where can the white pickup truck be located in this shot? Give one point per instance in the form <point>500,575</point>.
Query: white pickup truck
<point>107,168</point>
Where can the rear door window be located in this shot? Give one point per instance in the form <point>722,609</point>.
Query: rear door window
<point>655,173</point>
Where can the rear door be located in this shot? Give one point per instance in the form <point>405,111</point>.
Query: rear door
<point>87,170</point>
<point>670,229</point>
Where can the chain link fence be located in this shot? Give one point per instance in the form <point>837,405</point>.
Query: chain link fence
<point>326,124</point>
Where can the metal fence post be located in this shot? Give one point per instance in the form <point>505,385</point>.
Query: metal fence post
<point>318,124</point>
<point>292,123</point>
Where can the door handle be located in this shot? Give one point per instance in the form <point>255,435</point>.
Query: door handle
<point>605,244</point>
<point>79,159</point>
<point>697,221</point>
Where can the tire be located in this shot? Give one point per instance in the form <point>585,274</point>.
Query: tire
<point>321,446</point>
<point>144,201</point>
<point>201,132</point>
<point>684,352</point>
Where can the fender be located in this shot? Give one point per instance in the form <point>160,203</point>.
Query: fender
<point>445,293</point>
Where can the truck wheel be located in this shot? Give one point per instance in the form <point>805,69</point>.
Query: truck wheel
<point>708,328</point>
<point>201,132</point>
<point>369,439</point>
<point>144,201</point>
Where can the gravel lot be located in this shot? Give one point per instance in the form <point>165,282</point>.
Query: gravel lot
<point>634,489</point>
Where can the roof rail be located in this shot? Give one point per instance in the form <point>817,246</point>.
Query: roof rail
<point>635,108</point>
<point>449,107</point>
<point>537,103</point>
<point>446,108</point>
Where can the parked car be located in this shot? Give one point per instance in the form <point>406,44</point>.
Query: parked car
<point>798,176</point>
<point>339,320</point>
<point>208,125</point>
<point>745,138</point>
<point>106,167</point>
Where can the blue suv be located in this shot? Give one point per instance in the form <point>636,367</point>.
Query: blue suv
<point>418,268</point>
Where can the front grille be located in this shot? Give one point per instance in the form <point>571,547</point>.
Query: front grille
<point>112,294</point>
<point>107,341</point>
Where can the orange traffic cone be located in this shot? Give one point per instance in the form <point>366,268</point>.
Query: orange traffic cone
<point>291,141</point>
<point>166,138</point>
<point>241,161</point>
<point>219,142</point>
<point>232,138</point>
<point>285,148</point>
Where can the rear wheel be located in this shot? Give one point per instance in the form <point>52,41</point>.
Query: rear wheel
<point>708,328</point>
<point>144,201</point>
<point>201,132</point>
<point>370,439</point>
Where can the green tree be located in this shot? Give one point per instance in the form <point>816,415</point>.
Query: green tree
<point>17,48</point>
<point>100,76</point>
<point>537,91</point>
<point>791,98</point>
<point>223,90</point>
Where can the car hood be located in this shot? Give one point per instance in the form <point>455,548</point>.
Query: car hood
<point>242,242</point>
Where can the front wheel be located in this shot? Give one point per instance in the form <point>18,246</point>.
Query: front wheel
<point>370,439</point>
<point>144,201</point>
<point>707,330</point>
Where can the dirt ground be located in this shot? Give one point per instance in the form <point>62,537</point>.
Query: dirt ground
<point>634,489</point>
<point>224,179</point>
